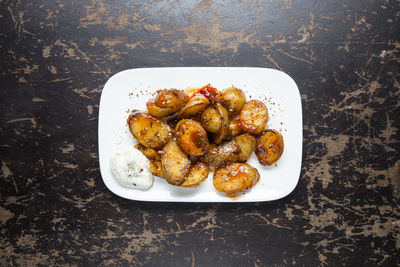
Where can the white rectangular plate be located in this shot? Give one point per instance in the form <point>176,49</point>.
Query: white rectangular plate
<point>131,89</point>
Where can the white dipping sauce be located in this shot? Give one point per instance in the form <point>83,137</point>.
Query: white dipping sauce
<point>132,169</point>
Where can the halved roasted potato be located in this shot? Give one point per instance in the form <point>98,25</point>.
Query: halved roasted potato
<point>211,120</point>
<point>234,127</point>
<point>223,133</point>
<point>175,163</point>
<point>254,117</point>
<point>235,178</point>
<point>233,99</point>
<point>222,154</point>
<point>166,102</point>
<point>246,143</point>
<point>191,137</point>
<point>195,105</point>
<point>148,130</point>
<point>150,153</point>
<point>269,147</point>
<point>197,174</point>
<point>156,168</point>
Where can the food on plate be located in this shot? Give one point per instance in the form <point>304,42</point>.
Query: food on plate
<point>222,154</point>
<point>254,117</point>
<point>175,163</point>
<point>191,137</point>
<point>223,133</point>
<point>211,93</point>
<point>234,127</point>
<point>187,133</point>
<point>246,143</point>
<point>150,153</point>
<point>166,102</point>
<point>269,147</point>
<point>148,130</point>
<point>235,178</point>
<point>156,168</point>
<point>211,120</point>
<point>130,169</point>
<point>233,99</point>
<point>197,174</point>
<point>194,106</point>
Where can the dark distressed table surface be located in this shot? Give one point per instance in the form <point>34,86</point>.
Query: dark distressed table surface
<point>55,59</point>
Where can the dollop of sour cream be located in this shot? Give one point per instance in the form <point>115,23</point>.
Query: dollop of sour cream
<point>132,169</point>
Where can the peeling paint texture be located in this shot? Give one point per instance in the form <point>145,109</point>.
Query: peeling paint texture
<point>55,59</point>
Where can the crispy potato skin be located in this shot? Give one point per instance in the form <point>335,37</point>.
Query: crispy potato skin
<point>150,153</point>
<point>148,130</point>
<point>211,120</point>
<point>222,154</point>
<point>223,133</point>
<point>171,98</point>
<point>156,168</point>
<point>191,137</point>
<point>246,143</point>
<point>254,117</point>
<point>195,105</point>
<point>269,147</point>
<point>233,99</point>
<point>235,178</point>
<point>197,174</point>
<point>166,102</point>
<point>175,163</point>
<point>234,127</point>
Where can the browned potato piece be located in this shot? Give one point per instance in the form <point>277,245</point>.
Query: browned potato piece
<point>166,102</point>
<point>157,111</point>
<point>233,99</point>
<point>175,163</point>
<point>235,178</point>
<point>211,120</point>
<point>234,127</point>
<point>217,156</point>
<point>156,168</point>
<point>197,174</point>
<point>246,143</point>
<point>191,137</point>
<point>148,130</point>
<point>171,98</point>
<point>195,105</point>
<point>254,117</point>
<point>269,147</point>
<point>150,153</point>
<point>223,133</point>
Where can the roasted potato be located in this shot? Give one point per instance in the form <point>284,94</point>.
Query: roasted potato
<point>254,117</point>
<point>156,168</point>
<point>222,154</point>
<point>195,105</point>
<point>150,153</point>
<point>166,102</point>
<point>234,127</point>
<point>175,163</point>
<point>233,99</point>
<point>148,130</point>
<point>211,120</point>
<point>269,147</point>
<point>223,133</point>
<point>197,174</point>
<point>246,143</point>
<point>191,137</point>
<point>235,178</point>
